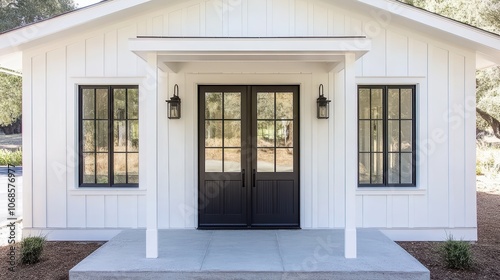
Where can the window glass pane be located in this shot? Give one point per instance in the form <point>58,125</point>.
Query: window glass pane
<point>364,168</point>
<point>393,103</point>
<point>120,168</point>
<point>102,168</point>
<point>133,136</point>
<point>88,104</point>
<point>119,103</point>
<point>376,110</point>
<point>213,160</point>
<point>393,129</point>
<point>89,168</point>
<point>393,168</point>
<point>133,103</point>
<point>120,137</point>
<point>284,133</point>
<point>377,136</point>
<point>406,103</point>
<point>265,133</point>
<point>284,160</point>
<point>406,136</point>
<point>364,136</point>
<point>133,168</point>
<point>377,169</point>
<point>102,136</point>
<point>265,160</point>
<point>102,104</point>
<point>88,136</point>
<point>232,160</point>
<point>213,134</point>
<point>232,134</point>
<point>213,105</point>
<point>284,105</point>
<point>406,168</point>
<point>265,105</point>
<point>364,103</point>
<point>232,105</point>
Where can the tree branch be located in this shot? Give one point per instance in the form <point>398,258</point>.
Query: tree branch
<point>494,123</point>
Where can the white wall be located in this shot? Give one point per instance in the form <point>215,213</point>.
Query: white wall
<point>444,198</point>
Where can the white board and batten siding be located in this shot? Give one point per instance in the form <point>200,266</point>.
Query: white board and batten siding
<point>444,197</point>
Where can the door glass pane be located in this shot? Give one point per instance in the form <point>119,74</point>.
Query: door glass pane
<point>133,136</point>
<point>393,128</point>
<point>102,104</point>
<point>133,168</point>
<point>232,134</point>
<point>133,104</point>
<point>406,136</point>
<point>364,136</point>
<point>364,103</point>
<point>89,168</point>
<point>213,105</point>
<point>406,168</point>
<point>377,136</point>
<point>213,134</point>
<point>265,105</point>
<point>376,110</point>
<point>393,168</point>
<point>364,168</point>
<point>377,169</point>
<point>284,160</point>
<point>232,105</point>
<point>232,160</point>
<point>102,136</point>
<point>120,168</point>
<point>119,103</point>
<point>406,103</point>
<point>88,104</point>
<point>284,133</point>
<point>120,137</point>
<point>88,136</point>
<point>265,160</point>
<point>265,133</point>
<point>213,160</point>
<point>393,103</point>
<point>102,168</point>
<point>284,105</point>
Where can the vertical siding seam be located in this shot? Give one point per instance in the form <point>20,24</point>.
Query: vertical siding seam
<point>66,136</point>
<point>450,166</point>
<point>31,144</point>
<point>429,189</point>
<point>464,190</point>
<point>45,151</point>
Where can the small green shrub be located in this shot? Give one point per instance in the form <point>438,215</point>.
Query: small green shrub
<point>457,254</point>
<point>31,249</point>
<point>11,157</point>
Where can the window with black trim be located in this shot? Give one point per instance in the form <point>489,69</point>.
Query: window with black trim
<point>386,144</point>
<point>109,136</point>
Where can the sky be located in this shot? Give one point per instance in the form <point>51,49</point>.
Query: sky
<point>83,3</point>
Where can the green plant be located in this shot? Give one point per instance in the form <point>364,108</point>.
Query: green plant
<point>456,253</point>
<point>11,157</point>
<point>31,249</point>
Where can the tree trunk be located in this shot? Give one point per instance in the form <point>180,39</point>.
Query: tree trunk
<point>14,128</point>
<point>494,123</point>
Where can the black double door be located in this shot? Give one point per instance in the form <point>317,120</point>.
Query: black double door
<point>248,157</point>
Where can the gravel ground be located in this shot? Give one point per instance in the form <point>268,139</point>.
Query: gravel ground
<point>11,142</point>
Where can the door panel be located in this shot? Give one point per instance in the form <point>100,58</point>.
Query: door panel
<point>249,159</point>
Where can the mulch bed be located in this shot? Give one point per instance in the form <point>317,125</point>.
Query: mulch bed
<point>59,257</point>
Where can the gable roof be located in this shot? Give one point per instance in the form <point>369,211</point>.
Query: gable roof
<point>486,44</point>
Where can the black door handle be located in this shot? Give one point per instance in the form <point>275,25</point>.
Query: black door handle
<point>253,178</point>
<point>243,177</point>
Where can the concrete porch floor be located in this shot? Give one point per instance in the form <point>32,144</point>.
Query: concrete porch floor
<point>250,254</point>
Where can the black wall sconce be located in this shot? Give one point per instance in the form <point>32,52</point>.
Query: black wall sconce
<point>323,105</point>
<point>174,105</point>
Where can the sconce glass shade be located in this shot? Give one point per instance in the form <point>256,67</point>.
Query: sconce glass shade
<point>174,105</point>
<point>323,105</point>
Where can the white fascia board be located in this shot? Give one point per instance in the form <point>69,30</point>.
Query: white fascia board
<point>13,40</point>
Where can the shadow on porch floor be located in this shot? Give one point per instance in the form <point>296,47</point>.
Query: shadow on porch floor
<point>255,254</point>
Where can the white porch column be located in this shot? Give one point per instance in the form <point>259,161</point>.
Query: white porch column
<point>150,98</point>
<point>351,156</point>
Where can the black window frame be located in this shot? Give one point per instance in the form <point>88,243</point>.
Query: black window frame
<point>385,124</point>
<point>111,120</point>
